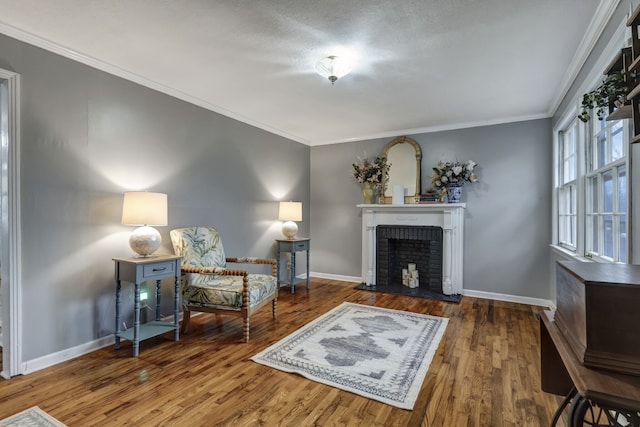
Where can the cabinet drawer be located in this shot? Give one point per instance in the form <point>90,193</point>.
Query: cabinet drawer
<point>160,269</point>
<point>300,246</point>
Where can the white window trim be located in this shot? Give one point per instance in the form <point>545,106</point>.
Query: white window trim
<point>567,119</point>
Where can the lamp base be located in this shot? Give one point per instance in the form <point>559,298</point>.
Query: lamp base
<point>290,229</point>
<point>145,240</point>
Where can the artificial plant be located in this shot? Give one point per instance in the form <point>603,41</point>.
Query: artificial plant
<point>614,88</point>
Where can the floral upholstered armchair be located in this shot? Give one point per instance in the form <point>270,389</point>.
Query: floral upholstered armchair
<point>208,285</point>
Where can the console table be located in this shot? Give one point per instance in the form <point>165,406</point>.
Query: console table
<point>609,393</point>
<point>137,271</point>
<point>293,246</point>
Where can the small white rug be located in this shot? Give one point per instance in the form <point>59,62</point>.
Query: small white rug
<point>32,417</point>
<point>375,352</point>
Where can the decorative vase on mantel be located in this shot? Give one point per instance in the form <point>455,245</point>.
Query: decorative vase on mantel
<point>368,193</point>
<point>454,191</point>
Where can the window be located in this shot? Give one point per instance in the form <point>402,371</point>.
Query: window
<point>592,188</point>
<point>606,188</point>
<point>567,188</point>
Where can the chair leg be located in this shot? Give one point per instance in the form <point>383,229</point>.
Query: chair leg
<point>186,316</point>
<point>245,329</point>
<point>219,321</point>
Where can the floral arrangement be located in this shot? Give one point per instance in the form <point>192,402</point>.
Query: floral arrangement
<point>371,170</point>
<point>454,173</point>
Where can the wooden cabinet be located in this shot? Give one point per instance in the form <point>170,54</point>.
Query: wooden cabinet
<point>563,374</point>
<point>589,350</point>
<point>598,313</point>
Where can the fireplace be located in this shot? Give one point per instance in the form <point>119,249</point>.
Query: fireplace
<point>400,246</point>
<point>448,217</point>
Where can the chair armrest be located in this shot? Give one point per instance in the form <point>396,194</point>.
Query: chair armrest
<point>251,260</point>
<point>220,271</point>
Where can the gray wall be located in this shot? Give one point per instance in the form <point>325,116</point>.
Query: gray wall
<point>507,221</point>
<point>87,137</point>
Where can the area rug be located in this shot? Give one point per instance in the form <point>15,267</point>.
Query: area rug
<point>32,417</point>
<point>375,352</point>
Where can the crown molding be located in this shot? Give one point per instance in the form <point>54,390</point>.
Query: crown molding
<point>432,129</point>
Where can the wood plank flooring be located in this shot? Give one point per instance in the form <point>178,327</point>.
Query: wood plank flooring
<point>486,372</point>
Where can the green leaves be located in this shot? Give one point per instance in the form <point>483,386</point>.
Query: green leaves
<point>613,88</point>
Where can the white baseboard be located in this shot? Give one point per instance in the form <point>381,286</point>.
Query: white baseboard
<point>48,360</point>
<point>335,277</point>
<point>509,298</point>
<point>34,365</point>
<point>468,292</point>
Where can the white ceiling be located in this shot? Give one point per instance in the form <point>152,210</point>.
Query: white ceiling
<point>420,65</point>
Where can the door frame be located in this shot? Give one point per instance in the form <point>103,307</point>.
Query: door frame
<point>10,229</point>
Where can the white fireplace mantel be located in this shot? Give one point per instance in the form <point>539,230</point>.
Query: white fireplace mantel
<point>449,216</point>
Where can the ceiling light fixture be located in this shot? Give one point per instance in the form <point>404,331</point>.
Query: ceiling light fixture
<point>333,67</point>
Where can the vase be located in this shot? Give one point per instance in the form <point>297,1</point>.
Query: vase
<point>454,191</point>
<point>368,194</point>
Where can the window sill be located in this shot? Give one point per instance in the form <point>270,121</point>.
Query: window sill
<point>569,254</point>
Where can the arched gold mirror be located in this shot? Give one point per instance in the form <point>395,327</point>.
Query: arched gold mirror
<point>404,156</point>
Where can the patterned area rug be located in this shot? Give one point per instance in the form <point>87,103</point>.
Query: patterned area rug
<point>375,352</point>
<point>32,417</point>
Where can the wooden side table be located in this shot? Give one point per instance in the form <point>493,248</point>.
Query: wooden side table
<point>137,271</point>
<point>292,246</point>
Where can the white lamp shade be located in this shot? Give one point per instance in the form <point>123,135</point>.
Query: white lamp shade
<point>144,208</point>
<point>290,211</point>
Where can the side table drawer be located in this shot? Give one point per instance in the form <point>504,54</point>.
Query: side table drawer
<point>162,269</point>
<point>300,246</point>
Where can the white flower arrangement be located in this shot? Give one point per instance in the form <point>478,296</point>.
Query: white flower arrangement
<point>454,173</point>
<point>371,170</point>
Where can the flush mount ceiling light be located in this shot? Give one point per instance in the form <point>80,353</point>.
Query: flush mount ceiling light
<point>333,67</point>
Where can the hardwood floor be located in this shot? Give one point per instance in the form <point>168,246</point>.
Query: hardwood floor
<point>486,372</point>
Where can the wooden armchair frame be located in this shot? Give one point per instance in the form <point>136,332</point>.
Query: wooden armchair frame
<point>245,311</point>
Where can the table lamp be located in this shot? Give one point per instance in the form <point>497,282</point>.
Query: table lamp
<point>144,209</point>
<point>290,212</point>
